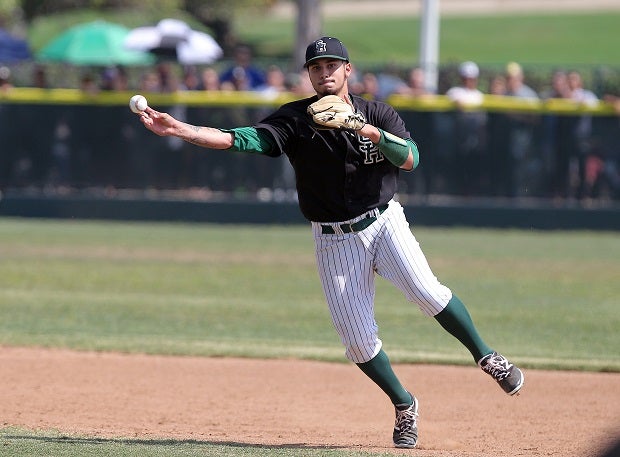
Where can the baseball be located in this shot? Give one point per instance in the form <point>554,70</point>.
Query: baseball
<point>137,103</point>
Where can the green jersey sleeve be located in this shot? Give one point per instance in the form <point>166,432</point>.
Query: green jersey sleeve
<point>252,140</point>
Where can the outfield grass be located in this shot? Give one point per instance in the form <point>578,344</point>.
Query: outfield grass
<point>545,39</point>
<point>552,39</point>
<point>550,299</point>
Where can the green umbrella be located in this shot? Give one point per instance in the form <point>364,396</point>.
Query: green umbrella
<point>93,43</point>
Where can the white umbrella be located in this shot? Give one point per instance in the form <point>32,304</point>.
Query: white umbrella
<point>175,39</point>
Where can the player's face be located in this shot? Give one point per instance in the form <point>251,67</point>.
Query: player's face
<point>329,76</point>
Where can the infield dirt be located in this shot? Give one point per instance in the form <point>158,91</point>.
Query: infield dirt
<point>304,404</point>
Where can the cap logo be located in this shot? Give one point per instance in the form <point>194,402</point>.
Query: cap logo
<point>320,46</point>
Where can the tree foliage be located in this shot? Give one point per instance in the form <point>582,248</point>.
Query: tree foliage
<point>215,14</point>
<point>203,10</point>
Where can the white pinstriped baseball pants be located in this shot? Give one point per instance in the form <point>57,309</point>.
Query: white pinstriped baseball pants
<point>347,263</point>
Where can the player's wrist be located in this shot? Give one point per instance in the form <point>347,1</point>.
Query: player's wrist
<point>371,132</point>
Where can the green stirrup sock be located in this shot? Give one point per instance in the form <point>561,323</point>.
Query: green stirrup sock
<point>380,371</point>
<point>456,320</point>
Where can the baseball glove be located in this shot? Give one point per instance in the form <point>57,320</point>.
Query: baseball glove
<point>333,112</point>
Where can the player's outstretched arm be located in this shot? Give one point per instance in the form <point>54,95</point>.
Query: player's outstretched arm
<point>163,124</point>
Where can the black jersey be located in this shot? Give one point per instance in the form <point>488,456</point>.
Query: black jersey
<point>339,174</point>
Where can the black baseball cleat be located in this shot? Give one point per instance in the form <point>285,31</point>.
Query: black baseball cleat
<point>406,425</point>
<point>508,376</point>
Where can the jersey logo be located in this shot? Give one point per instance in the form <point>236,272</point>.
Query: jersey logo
<point>369,150</point>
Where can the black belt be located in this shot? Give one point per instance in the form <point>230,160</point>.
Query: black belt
<point>355,226</point>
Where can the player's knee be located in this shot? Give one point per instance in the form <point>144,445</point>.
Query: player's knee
<point>358,352</point>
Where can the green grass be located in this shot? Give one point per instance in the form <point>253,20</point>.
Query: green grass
<point>549,299</point>
<point>19,442</point>
<point>544,39</point>
<point>254,292</point>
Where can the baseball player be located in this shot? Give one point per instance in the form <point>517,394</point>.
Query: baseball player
<point>347,152</point>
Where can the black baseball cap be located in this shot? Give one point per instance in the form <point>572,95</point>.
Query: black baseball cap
<point>326,47</point>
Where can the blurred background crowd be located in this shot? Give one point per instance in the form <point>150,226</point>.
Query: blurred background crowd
<point>469,149</point>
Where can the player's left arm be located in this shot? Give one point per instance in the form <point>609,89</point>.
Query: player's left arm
<point>401,152</point>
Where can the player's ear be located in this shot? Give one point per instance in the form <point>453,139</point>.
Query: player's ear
<point>348,68</point>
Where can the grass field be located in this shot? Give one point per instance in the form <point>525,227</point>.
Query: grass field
<point>543,39</point>
<point>254,292</point>
<point>27,444</point>
<point>547,40</point>
<point>550,299</point>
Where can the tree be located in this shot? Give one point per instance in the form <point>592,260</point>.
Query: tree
<point>309,26</point>
<point>218,14</point>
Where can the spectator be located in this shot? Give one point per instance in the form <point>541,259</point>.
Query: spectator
<point>558,88</point>
<point>8,154</point>
<point>5,79</point>
<point>238,81</point>
<point>370,86</point>
<point>582,133</point>
<point>557,142</point>
<point>577,91</point>
<point>149,82</point>
<point>300,84</point>
<point>88,85</point>
<point>275,83</point>
<point>515,85</point>
<point>522,165</point>
<point>424,123</point>
<point>389,83</point>
<point>469,169</point>
<point>467,93</point>
<point>415,83</point>
<point>168,80</point>
<point>191,78</point>
<point>115,79</point>
<point>243,74</point>
<point>498,86</point>
<point>498,142</point>
<point>39,77</point>
<point>209,80</point>
<point>356,83</point>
